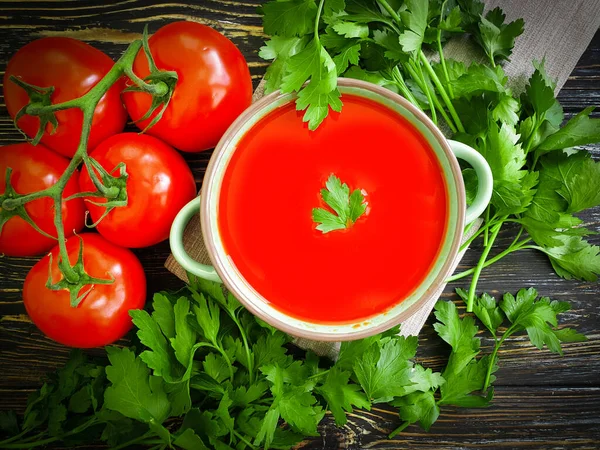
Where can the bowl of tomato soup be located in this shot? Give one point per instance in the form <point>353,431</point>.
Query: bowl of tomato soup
<point>337,233</point>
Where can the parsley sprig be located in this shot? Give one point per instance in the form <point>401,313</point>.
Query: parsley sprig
<point>232,381</point>
<point>542,176</point>
<point>347,207</point>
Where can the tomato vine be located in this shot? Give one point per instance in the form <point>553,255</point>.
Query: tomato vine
<point>111,186</point>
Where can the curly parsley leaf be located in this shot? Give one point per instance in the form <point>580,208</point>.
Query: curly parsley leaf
<point>347,207</point>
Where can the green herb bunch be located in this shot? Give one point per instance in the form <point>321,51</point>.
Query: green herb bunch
<point>540,180</point>
<point>208,374</point>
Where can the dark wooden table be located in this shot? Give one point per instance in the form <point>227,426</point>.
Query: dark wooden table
<point>542,400</point>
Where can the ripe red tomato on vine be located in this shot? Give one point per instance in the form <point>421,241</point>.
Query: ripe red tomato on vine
<point>159,184</point>
<point>213,87</point>
<point>35,168</point>
<point>102,316</point>
<point>73,68</point>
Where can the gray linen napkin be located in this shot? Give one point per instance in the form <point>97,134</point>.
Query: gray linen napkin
<point>558,31</point>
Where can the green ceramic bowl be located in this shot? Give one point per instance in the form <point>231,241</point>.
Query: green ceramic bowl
<point>224,270</point>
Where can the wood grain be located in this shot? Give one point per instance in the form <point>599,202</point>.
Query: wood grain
<point>542,400</point>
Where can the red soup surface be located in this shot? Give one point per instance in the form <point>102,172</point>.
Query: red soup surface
<point>273,182</point>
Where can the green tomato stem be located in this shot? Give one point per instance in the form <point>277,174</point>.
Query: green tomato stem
<point>87,104</point>
<point>442,91</point>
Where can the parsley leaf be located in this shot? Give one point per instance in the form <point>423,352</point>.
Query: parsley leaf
<point>478,78</point>
<point>134,393</point>
<point>279,50</point>
<point>417,407</point>
<point>497,38</point>
<point>313,63</point>
<point>185,337</point>
<point>537,316</point>
<point>340,395</point>
<point>568,184</point>
<point>464,374</point>
<point>580,130</point>
<point>415,20</point>
<point>384,370</point>
<point>289,18</point>
<point>348,207</point>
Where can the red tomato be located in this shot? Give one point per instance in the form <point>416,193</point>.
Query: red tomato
<point>36,168</point>
<point>73,68</point>
<point>213,88</point>
<point>160,183</point>
<point>102,317</point>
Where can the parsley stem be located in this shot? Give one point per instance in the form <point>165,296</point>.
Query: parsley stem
<point>227,360</point>
<point>75,430</point>
<point>440,87</point>
<point>431,96</point>
<point>317,20</point>
<point>478,233</point>
<point>486,233</point>
<point>243,439</point>
<point>427,92</point>
<point>393,14</point>
<point>397,75</point>
<point>398,430</point>
<point>441,52</point>
<point>20,435</point>
<point>480,265</point>
<point>320,374</point>
<point>246,348</point>
<point>513,248</point>
<point>494,356</point>
<point>417,75</point>
<point>136,440</point>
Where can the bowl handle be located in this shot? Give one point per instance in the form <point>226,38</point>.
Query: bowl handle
<point>176,242</point>
<point>485,180</point>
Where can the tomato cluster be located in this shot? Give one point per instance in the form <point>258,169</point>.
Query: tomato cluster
<point>213,87</point>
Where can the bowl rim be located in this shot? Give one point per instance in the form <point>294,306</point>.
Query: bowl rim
<point>231,280</point>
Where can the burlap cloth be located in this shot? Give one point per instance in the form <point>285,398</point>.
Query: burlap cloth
<point>557,30</point>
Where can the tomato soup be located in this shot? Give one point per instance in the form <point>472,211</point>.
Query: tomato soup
<point>274,181</point>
